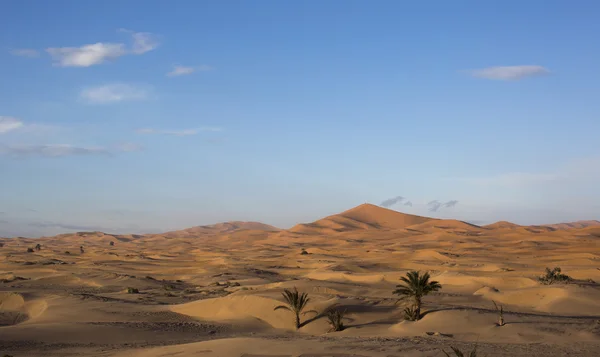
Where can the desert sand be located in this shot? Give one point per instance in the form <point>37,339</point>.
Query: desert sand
<point>211,290</point>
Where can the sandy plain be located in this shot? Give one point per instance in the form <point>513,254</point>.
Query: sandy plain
<point>211,290</point>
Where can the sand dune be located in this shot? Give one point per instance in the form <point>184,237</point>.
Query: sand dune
<point>211,290</point>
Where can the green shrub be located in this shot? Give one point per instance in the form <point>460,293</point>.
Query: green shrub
<point>133,291</point>
<point>552,276</point>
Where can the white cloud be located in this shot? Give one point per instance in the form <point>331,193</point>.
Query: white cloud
<point>185,70</point>
<point>143,42</point>
<point>9,124</point>
<point>61,150</point>
<point>113,93</point>
<point>25,52</point>
<point>506,73</point>
<point>101,52</point>
<point>182,132</point>
<point>87,55</point>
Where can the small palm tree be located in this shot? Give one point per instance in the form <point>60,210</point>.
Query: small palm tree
<point>295,302</point>
<point>415,286</point>
<point>335,317</point>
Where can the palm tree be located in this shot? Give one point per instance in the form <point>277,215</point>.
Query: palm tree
<point>414,288</point>
<point>295,302</point>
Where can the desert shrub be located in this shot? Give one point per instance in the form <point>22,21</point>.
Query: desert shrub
<point>303,251</point>
<point>29,250</point>
<point>335,317</point>
<point>552,276</point>
<point>412,290</point>
<point>1,244</point>
<point>38,247</point>
<point>81,249</point>
<point>111,243</point>
<point>169,287</point>
<point>410,313</point>
<point>459,353</point>
<point>133,291</point>
<point>67,252</point>
<point>295,302</point>
<point>500,312</point>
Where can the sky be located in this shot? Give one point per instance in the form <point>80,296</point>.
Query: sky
<point>147,116</point>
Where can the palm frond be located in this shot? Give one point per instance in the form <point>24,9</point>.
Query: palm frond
<point>310,311</point>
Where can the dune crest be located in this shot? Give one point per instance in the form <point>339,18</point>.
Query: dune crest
<point>363,217</point>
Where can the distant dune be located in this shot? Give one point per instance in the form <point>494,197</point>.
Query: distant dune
<point>363,217</point>
<point>221,228</point>
<point>577,224</point>
<point>502,225</point>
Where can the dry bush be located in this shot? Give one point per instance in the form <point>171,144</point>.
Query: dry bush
<point>552,276</point>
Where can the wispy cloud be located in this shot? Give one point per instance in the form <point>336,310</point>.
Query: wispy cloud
<point>181,132</point>
<point>392,201</point>
<point>451,203</point>
<point>101,52</point>
<point>25,52</point>
<point>62,150</point>
<point>574,171</point>
<point>9,124</point>
<point>143,42</point>
<point>113,93</point>
<point>408,203</point>
<point>506,73</point>
<point>13,125</point>
<point>69,227</point>
<point>185,70</point>
<point>511,179</point>
<point>435,205</point>
<point>128,147</point>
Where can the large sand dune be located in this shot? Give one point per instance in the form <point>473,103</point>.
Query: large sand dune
<point>212,290</point>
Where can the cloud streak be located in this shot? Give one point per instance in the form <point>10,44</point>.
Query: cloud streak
<point>25,52</point>
<point>63,150</point>
<point>9,124</point>
<point>113,93</point>
<point>185,70</point>
<point>575,171</point>
<point>511,179</point>
<point>509,73</point>
<point>181,132</point>
<point>101,52</point>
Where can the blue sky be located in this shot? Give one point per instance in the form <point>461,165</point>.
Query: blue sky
<point>145,116</point>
